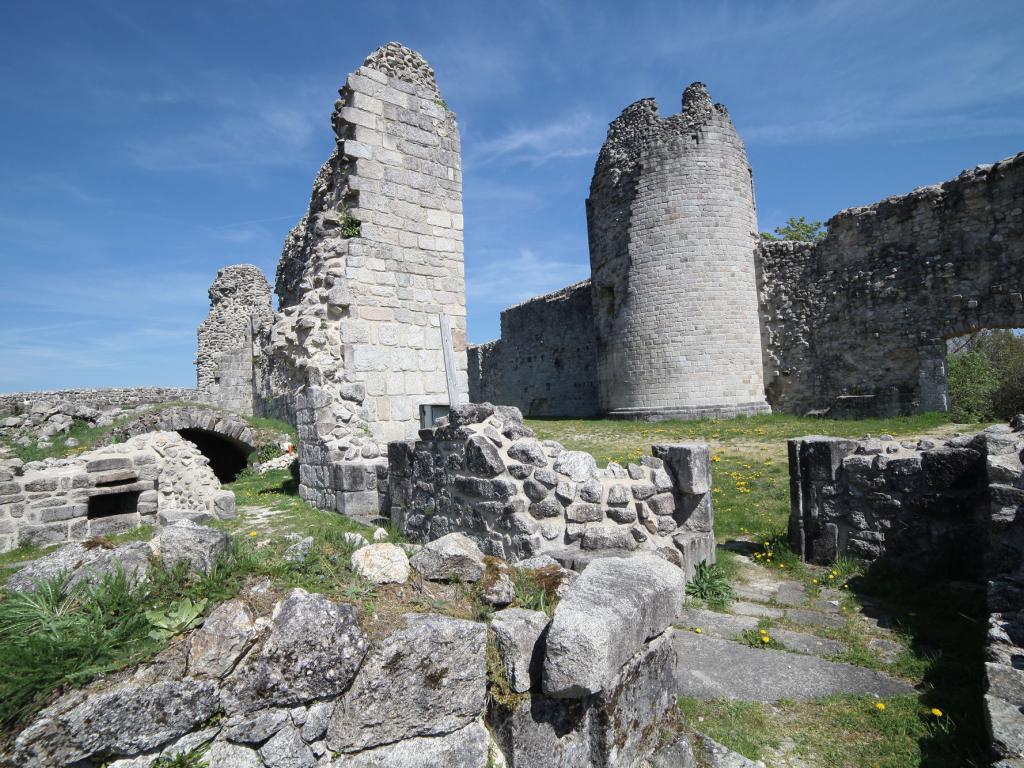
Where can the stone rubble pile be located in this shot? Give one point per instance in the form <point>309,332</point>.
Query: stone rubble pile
<point>305,686</point>
<point>483,473</point>
<point>153,479</point>
<point>42,420</point>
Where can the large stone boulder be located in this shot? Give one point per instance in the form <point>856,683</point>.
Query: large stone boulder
<point>455,556</point>
<point>381,563</point>
<point>81,563</point>
<point>196,545</point>
<point>615,606</point>
<point>126,720</point>
<point>313,650</point>
<point>428,679</point>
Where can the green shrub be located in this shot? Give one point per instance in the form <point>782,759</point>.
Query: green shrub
<point>972,381</point>
<point>710,584</point>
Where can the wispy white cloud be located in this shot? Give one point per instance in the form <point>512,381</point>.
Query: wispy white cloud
<point>574,135</point>
<point>499,282</point>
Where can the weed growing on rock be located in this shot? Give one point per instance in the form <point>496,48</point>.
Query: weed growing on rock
<point>711,585</point>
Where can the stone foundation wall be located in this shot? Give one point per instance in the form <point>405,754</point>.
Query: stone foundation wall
<point>107,398</point>
<point>545,362</point>
<point>48,502</point>
<point>485,475</point>
<point>914,502</point>
<point>858,322</point>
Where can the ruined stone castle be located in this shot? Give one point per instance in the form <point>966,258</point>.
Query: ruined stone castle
<point>687,314</point>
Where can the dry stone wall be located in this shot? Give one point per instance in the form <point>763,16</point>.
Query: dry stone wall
<point>913,503</point>
<point>103,399</point>
<point>302,684</point>
<point>230,367</point>
<point>152,479</point>
<point>545,361</point>
<point>858,323</point>
<point>364,278</point>
<point>484,474</point>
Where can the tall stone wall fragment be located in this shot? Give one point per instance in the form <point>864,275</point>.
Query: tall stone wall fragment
<point>230,364</point>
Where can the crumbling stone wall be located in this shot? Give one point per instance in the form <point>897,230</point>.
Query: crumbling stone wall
<point>545,361</point>
<point>230,367</point>
<point>672,229</point>
<point>364,277</point>
<point>858,322</point>
<point>914,502</point>
<point>48,502</point>
<point>485,475</point>
<point>103,399</point>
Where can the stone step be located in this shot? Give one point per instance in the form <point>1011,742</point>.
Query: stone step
<point>729,627</point>
<point>713,668</point>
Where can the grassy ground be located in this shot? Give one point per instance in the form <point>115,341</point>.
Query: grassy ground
<point>941,629</point>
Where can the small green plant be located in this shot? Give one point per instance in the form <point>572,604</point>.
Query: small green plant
<point>529,594</point>
<point>499,689</point>
<point>191,759</point>
<point>760,638</point>
<point>710,584</point>
<point>350,227</point>
<point>265,453</point>
<point>181,616</point>
<point>442,103</point>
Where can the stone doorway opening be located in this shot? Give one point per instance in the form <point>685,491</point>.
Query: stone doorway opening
<point>982,373</point>
<point>227,456</point>
<point>111,504</point>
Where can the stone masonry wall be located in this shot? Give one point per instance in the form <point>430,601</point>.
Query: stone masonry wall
<point>48,502</point>
<point>914,503</point>
<point>485,475</point>
<point>230,367</point>
<point>109,398</point>
<point>544,363</point>
<point>364,277</point>
<point>672,229</point>
<point>858,322</point>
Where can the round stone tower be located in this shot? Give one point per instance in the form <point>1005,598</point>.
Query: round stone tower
<point>673,232</point>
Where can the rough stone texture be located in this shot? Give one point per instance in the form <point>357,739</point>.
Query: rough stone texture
<point>230,363</point>
<point>226,425</point>
<point>313,650</point>
<point>450,557</point>
<point>517,632</point>
<point>108,490</point>
<point>225,635</point>
<point>196,545</point>
<point>467,747</point>
<point>857,323</point>
<point>545,362</point>
<point>82,564</point>
<point>447,483</point>
<point>128,719</point>
<point>356,349</point>
<point>426,680</point>
<point>712,668</point>
<point>605,617</point>
<point>381,563</point>
<point>879,499</point>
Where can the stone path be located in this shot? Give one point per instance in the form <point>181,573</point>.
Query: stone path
<point>715,661</point>
<point>712,668</point>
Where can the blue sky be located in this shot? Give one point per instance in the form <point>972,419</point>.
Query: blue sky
<point>147,144</point>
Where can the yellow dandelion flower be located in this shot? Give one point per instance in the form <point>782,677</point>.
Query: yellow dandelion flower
<point>765,639</point>
<point>763,631</point>
<point>936,711</point>
<point>253,533</point>
<point>697,630</point>
<point>880,706</point>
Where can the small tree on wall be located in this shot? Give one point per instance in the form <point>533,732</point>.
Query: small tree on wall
<point>798,228</point>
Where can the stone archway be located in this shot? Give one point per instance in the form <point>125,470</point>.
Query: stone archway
<point>225,438</point>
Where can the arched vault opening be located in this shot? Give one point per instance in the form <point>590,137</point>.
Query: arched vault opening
<point>227,456</point>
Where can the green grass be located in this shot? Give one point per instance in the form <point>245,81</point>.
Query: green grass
<point>710,584</point>
<point>834,732</point>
